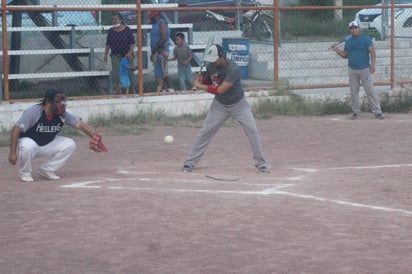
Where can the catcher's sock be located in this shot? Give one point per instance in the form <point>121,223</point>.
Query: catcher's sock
<point>48,175</point>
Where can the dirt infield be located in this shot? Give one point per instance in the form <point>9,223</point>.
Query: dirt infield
<point>338,199</point>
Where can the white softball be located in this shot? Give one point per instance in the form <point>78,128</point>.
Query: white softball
<point>169,139</point>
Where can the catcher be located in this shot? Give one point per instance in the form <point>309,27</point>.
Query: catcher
<point>35,135</point>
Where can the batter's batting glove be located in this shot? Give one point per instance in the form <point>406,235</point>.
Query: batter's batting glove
<point>96,143</point>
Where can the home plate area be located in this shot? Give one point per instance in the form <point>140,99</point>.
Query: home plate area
<point>327,185</point>
<point>189,182</point>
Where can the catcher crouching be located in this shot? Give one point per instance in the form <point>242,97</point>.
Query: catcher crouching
<point>35,135</point>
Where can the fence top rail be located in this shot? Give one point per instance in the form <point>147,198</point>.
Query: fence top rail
<point>85,5</point>
<point>194,47</point>
<point>50,75</point>
<point>100,27</point>
<point>46,51</point>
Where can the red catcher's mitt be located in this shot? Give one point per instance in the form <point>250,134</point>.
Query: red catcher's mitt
<point>96,143</point>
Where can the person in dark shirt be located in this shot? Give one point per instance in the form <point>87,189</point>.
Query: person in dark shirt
<point>35,135</point>
<point>119,38</point>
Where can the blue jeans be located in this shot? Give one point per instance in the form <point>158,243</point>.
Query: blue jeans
<point>185,73</point>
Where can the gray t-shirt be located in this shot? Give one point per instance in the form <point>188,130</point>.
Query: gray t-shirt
<point>231,74</point>
<point>182,53</point>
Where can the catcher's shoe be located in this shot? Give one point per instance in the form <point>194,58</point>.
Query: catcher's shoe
<point>26,178</point>
<point>48,175</point>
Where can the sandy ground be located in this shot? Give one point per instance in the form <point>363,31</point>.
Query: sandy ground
<point>338,199</point>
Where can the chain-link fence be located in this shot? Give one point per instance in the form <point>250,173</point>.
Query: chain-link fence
<point>61,44</point>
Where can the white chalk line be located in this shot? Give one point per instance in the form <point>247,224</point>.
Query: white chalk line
<point>261,178</point>
<point>91,184</point>
<point>339,202</point>
<point>310,170</point>
<point>265,192</point>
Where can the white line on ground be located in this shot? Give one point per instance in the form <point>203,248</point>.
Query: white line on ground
<point>340,202</point>
<point>265,192</point>
<point>370,167</point>
<point>351,167</point>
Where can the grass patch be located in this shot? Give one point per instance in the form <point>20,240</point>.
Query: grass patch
<point>400,102</point>
<point>288,104</point>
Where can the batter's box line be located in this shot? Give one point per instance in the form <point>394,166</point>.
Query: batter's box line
<point>259,177</point>
<point>92,184</point>
<point>310,170</point>
<point>99,184</point>
<point>339,202</point>
<point>264,192</point>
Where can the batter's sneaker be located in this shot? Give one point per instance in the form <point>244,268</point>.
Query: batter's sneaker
<point>26,178</point>
<point>262,169</point>
<point>186,168</point>
<point>355,116</point>
<point>48,175</point>
<point>379,116</point>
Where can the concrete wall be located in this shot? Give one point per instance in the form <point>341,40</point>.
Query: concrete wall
<point>171,105</point>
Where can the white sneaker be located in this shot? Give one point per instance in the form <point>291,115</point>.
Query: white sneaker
<point>48,175</point>
<point>26,178</point>
<point>170,90</point>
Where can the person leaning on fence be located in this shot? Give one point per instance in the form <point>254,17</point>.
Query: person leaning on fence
<point>35,135</point>
<point>360,52</point>
<point>183,54</point>
<point>222,79</point>
<point>120,37</point>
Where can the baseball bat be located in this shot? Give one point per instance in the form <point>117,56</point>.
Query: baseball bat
<point>341,41</point>
<point>209,43</point>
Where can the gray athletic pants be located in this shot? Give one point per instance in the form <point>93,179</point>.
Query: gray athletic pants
<point>216,116</point>
<point>364,76</point>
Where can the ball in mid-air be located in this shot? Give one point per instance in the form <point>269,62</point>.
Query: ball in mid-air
<point>169,139</point>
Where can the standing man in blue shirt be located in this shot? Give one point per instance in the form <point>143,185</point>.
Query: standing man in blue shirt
<point>360,52</point>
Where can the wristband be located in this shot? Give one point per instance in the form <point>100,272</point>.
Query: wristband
<point>212,89</point>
